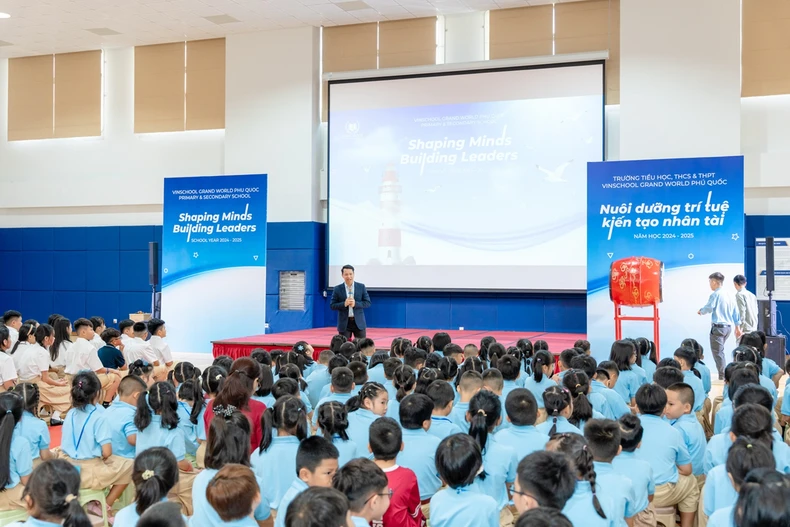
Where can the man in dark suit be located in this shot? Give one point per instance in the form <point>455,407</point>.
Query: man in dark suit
<point>350,299</point>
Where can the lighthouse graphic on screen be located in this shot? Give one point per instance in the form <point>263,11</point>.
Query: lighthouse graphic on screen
<point>389,228</point>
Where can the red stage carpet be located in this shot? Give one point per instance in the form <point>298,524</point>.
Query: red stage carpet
<point>319,338</point>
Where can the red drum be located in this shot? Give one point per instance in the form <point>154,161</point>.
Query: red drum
<point>636,281</point>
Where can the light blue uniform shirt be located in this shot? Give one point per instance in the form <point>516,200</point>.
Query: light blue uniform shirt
<point>640,473</point>
<point>157,435</point>
<point>722,518</point>
<point>458,416</point>
<point>596,415</point>
<point>84,432</point>
<point>268,400</point>
<point>641,374</point>
<point>326,392</point>
<point>649,367</point>
<point>35,431</point>
<point>187,428</point>
<point>770,368</point>
<point>121,417</point>
<point>600,405</point>
<point>463,507</point>
<point>524,439</point>
<point>20,460</point>
<point>419,455</point>
<point>579,508</point>
<point>376,374</point>
<point>563,426</point>
<point>342,398</point>
<point>204,514</point>
<point>32,522</point>
<point>508,386</point>
<point>722,308</point>
<point>628,382</point>
<point>392,392</point>
<point>359,423</point>
<point>663,447</point>
<point>785,410</point>
<point>442,427</point>
<point>718,490</point>
<point>618,488</point>
<point>500,463</point>
<point>696,385</point>
<point>694,438</point>
<point>617,406</point>
<point>296,487</point>
<point>704,373</point>
<point>719,446</point>
<point>723,419</point>
<point>316,381</point>
<point>276,467</point>
<point>347,450</point>
<point>537,388</point>
<point>765,382</point>
<point>393,409</point>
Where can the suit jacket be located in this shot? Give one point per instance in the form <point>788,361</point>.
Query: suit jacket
<point>362,302</point>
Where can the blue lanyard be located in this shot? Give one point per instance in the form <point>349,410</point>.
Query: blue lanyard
<point>77,441</point>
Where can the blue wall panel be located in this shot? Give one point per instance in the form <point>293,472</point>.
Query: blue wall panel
<point>37,270</point>
<point>70,270</point>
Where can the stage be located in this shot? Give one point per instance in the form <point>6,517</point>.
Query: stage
<point>319,338</point>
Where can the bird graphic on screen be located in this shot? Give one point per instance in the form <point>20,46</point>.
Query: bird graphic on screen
<point>555,176</point>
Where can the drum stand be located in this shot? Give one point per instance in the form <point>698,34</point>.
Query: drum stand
<point>618,325</point>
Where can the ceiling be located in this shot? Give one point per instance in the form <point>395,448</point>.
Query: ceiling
<point>38,27</point>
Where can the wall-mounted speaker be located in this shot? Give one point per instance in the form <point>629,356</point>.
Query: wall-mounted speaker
<point>770,283</point>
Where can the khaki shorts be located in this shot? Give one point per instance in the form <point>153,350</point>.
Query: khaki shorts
<point>57,397</point>
<point>99,474</point>
<point>11,499</point>
<point>506,518</point>
<point>181,493</point>
<point>684,494</point>
<point>646,518</point>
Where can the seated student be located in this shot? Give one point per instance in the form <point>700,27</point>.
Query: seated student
<point>701,367</point>
<point>234,494</point>
<point>647,355</point>
<point>455,353</point>
<point>494,383</point>
<point>333,425</point>
<point>27,336</point>
<point>126,327</point>
<point>559,407</point>
<point>426,377</point>
<point>320,377</point>
<point>163,514</point>
<point>98,329</point>
<point>156,420</point>
<point>386,442</point>
<point>142,369</point>
<point>292,371</point>
<point>499,459</point>
<point>226,362</point>
<point>543,517</point>
<point>286,388</point>
<point>284,427</point>
<point>109,352</point>
<point>164,357</point>
<point>587,506</point>
<point>316,465</point>
<point>522,435</point>
<point>762,501</point>
<point>376,367</point>
<point>578,384</point>
<point>236,391</point>
<point>414,358</point>
<point>736,375</point>
<point>542,370</point>
<point>637,470</point>
<point>12,320</point>
<point>263,394</point>
<point>440,341</point>
<point>564,362</point>
<point>228,442</point>
<point>750,355</point>
<point>470,383</point>
<point>87,442</point>
<point>471,351</point>
<point>604,400</point>
<point>34,368</point>
<point>51,495</point>
<point>543,479</point>
<point>442,395</point>
<point>666,376</point>
<point>154,474</point>
<point>347,349</point>
<point>462,504</point>
<point>83,356</point>
<point>120,414</point>
<point>30,426</point>
<point>663,447</point>
<point>623,354</point>
<point>15,454</point>
<point>340,389</point>
<point>612,372</point>
<point>59,352</point>
<point>687,358</point>
<point>365,486</point>
<point>137,348</point>
<point>770,369</point>
<point>191,407</point>
<point>319,507</point>
<point>680,398</point>
<point>724,481</point>
<point>419,447</point>
<point>338,361</point>
<point>668,362</point>
<point>603,440</point>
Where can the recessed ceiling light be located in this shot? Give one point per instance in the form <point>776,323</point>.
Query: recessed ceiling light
<point>5,15</point>
<point>102,31</point>
<point>3,43</point>
<point>353,6</point>
<point>222,19</point>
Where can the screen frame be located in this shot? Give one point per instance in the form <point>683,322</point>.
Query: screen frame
<point>446,73</point>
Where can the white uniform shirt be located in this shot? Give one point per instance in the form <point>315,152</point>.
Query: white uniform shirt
<point>13,336</point>
<point>33,361</point>
<point>17,356</point>
<point>161,349</point>
<point>83,356</point>
<point>63,355</point>
<point>7,368</point>
<point>137,348</point>
<point>97,342</point>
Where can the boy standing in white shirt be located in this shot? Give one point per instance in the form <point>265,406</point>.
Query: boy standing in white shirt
<point>13,321</point>
<point>84,356</point>
<point>164,358</point>
<point>136,348</point>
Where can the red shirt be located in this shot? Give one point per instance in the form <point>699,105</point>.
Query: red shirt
<point>254,411</point>
<point>404,509</point>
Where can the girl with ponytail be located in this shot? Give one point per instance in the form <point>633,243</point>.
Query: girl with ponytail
<point>236,391</point>
<point>52,494</point>
<point>333,424</point>
<point>33,368</point>
<point>586,506</point>
<point>27,335</point>
<point>500,460</point>
<point>527,351</point>
<point>542,370</point>
<point>425,378</point>
<point>404,380</point>
<point>274,461</point>
<point>578,385</point>
<point>191,405</point>
<point>59,350</point>
<point>154,474</point>
<point>559,407</point>
<point>16,462</point>
<point>470,364</point>
<point>30,426</point>
<point>157,425</point>
<point>364,408</point>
